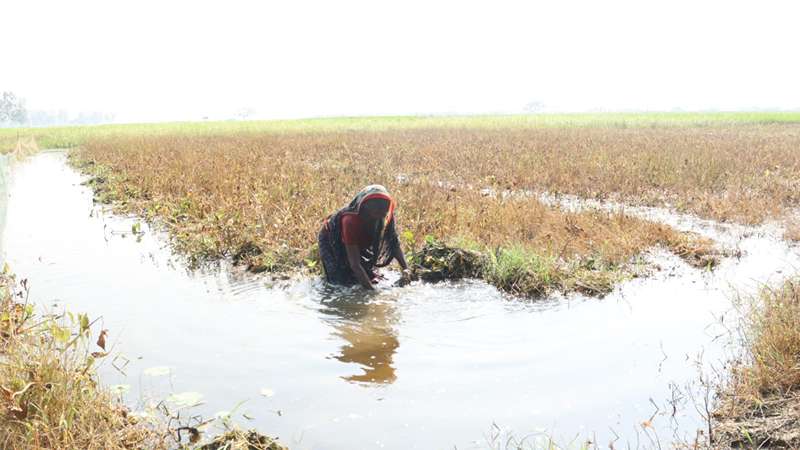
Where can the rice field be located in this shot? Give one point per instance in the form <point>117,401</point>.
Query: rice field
<point>258,197</point>
<point>260,200</point>
<point>72,136</point>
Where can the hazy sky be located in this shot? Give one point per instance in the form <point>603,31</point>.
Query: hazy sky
<point>158,60</point>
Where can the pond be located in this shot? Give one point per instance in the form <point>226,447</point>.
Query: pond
<point>425,366</point>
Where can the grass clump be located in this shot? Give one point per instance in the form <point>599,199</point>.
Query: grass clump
<point>519,270</point>
<point>761,406</point>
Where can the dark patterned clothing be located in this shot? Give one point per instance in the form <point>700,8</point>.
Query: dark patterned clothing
<point>383,239</point>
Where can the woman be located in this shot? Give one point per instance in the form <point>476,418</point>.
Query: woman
<point>360,238</point>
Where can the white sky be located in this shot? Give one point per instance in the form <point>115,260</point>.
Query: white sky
<point>159,60</point>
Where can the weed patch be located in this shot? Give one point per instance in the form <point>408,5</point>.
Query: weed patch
<point>761,406</point>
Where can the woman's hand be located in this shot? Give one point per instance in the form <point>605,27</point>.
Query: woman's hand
<point>405,277</point>
<point>354,259</point>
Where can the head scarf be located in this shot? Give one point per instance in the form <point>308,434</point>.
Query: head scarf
<point>373,191</point>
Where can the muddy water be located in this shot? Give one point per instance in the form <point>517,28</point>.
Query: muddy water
<point>416,367</point>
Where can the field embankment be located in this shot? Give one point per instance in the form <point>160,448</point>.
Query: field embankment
<point>261,200</point>
<point>760,407</point>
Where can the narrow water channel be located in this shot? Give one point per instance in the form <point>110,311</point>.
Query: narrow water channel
<point>426,366</point>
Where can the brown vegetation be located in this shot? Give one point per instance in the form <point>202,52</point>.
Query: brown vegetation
<point>742,173</point>
<point>260,200</point>
<point>761,406</point>
<point>792,232</point>
<point>49,397</point>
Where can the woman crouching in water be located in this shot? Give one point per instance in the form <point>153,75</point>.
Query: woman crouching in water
<point>359,238</point>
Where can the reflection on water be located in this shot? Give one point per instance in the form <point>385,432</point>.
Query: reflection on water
<point>470,356</point>
<point>368,329</point>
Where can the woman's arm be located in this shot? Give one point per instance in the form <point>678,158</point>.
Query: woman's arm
<point>354,259</point>
<point>401,258</point>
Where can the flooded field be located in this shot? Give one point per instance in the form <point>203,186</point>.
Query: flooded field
<point>425,366</point>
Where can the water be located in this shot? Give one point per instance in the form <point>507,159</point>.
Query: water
<point>426,366</point>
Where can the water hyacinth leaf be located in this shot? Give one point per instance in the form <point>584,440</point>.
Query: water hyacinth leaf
<point>185,399</point>
<point>157,371</point>
<point>266,392</point>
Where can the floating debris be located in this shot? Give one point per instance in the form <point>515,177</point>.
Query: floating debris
<point>266,392</point>
<point>185,399</point>
<point>243,440</point>
<point>438,262</point>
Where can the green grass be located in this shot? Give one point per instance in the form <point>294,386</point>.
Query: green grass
<point>514,268</point>
<point>517,269</point>
<point>71,136</point>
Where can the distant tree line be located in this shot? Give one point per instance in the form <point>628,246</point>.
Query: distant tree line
<point>12,110</point>
<point>46,118</point>
<point>13,113</point>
